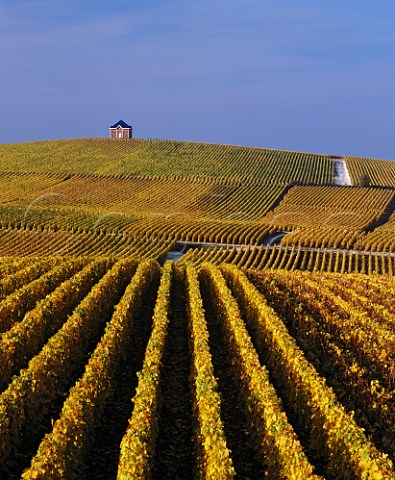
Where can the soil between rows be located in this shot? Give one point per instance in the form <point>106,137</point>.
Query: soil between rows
<point>175,452</point>
<point>102,461</point>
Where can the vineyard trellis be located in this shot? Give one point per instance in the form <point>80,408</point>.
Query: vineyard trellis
<point>266,351</point>
<point>302,357</point>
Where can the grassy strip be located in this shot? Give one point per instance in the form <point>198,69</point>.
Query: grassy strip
<point>274,436</point>
<point>214,460</point>
<point>26,338</point>
<point>138,443</point>
<point>61,452</point>
<point>349,453</point>
<point>28,396</point>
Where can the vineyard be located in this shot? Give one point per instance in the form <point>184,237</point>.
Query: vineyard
<point>170,159</point>
<point>183,191</point>
<point>230,373</point>
<point>379,173</point>
<point>179,310</point>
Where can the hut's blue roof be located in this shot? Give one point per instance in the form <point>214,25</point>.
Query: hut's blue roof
<point>120,123</point>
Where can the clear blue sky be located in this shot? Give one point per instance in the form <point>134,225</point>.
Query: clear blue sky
<point>306,75</point>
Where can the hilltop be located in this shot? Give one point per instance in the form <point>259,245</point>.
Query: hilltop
<point>105,156</point>
<point>169,158</point>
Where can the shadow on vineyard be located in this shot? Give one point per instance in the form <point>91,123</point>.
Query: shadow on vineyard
<point>102,460</point>
<point>301,422</point>
<point>246,460</point>
<point>174,452</point>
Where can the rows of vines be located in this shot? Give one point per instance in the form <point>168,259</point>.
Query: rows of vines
<point>16,242</point>
<point>41,243</point>
<point>167,158</point>
<point>294,258</point>
<point>376,172</point>
<point>127,370</point>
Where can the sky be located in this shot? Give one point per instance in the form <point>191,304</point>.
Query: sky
<point>306,75</point>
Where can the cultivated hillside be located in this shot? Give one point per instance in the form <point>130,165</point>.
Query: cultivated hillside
<point>105,156</point>
<point>129,192</point>
<point>254,355</point>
